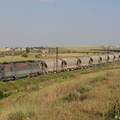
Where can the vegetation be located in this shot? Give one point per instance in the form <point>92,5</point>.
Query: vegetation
<point>18,115</point>
<point>113,112</point>
<point>30,54</point>
<point>24,55</point>
<point>27,50</point>
<point>85,94</point>
<point>98,79</point>
<point>38,56</point>
<point>78,94</point>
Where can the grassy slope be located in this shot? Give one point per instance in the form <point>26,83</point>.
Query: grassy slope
<point>45,97</point>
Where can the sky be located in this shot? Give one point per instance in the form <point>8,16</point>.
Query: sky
<point>33,23</point>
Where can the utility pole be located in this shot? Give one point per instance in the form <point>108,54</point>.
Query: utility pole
<point>57,59</point>
<point>108,50</point>
<point>12,54</point>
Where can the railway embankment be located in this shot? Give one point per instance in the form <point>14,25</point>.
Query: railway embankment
<point>91,93</point>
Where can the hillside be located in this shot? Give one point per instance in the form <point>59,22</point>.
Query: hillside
<point>85,94</point>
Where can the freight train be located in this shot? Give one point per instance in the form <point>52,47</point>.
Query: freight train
<point>15,70</point>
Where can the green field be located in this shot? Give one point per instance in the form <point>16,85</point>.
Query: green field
<point>86,94</point>
<point>62,52</point>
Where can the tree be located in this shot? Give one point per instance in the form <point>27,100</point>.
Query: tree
<point>27,50</point>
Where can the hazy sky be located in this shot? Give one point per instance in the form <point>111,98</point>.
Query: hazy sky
<point>59,22</point>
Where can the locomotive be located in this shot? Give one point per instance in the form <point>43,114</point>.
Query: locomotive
<point>15,70</point>
<point>12,71</point>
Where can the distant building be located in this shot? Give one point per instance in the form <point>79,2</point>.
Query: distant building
<point>11,48</point>
<point>45,51</point>
<point>36,50</point>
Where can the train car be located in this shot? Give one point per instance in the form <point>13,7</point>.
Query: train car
<point>111,57</point>
<point>72,63</point>
<point>85,61</point>
<point>16,70</point>
<point>27,69</point>
<point>105,59</point>
<point>49,66</point>
<point>117,57</point>
<point>96,60</point>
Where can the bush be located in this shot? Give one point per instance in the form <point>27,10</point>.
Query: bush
<point>83,96</point>
<point>84,89</point>
<point>113,112</point>
<point>18,115</point>
<point>1,95</point>
<point>8,94</point>
<point>32,115</point>
<point>38,56</point>
<point>24,55</point>
<point>72,96</point>
<point>98,79</point>
<point>78,94</point>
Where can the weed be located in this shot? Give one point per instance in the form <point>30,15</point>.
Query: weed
<point>24,55</point>
<point>114,86</point>
<point>113,112</point>
<point>98,79</point>
<point>109,73</point>
<point>84,72</point>
<point>72,96</point>
<point>8,94</point>
<point>32,115</point>
<point>84,89</point>
<point>83,96</point>
<point>1,95</point>
<point>72,75</point>
<point>78,94</point>
<point>18,115</point>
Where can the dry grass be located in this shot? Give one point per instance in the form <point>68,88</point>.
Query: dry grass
<point>47,103</point>
<point>48,56</point>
